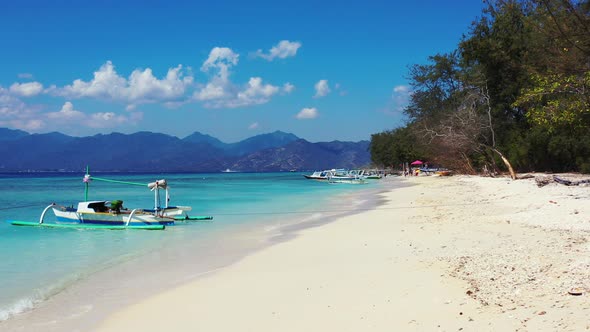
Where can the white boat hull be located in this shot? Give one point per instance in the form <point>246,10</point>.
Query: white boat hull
<point>140,217</point>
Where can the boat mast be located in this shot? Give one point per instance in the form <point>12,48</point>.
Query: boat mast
<point>156,198</point>
<point>86,182</point>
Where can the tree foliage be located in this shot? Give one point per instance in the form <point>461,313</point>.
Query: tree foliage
<point>556,100</point>
<point>392,148</point>
<point>516,88</point>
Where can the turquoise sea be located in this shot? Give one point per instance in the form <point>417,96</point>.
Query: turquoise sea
<point>82,271</point>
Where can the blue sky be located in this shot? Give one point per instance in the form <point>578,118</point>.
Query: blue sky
<point>231,69</point>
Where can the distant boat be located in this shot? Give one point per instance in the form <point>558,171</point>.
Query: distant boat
<point>336,176</point>
<point>318,175</point>
<point>227,170</point>
<point>371,174</point>
<point>342,176</point>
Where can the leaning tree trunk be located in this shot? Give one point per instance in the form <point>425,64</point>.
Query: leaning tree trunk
<point>486,96</point>
<point>468,163</point>
<point>507,163</point>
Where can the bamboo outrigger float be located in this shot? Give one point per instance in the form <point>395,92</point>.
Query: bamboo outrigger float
<point>112,214</point>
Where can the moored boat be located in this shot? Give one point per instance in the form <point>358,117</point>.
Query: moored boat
<point>343,176</point>
<point>337,176</point>
<point>372,175</point>
<point>113,215</point>
<point>318,175</point>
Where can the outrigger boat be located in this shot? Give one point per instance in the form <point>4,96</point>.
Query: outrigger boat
<point>350,177</point>
<point>112,214</point>
<point>337,176</point>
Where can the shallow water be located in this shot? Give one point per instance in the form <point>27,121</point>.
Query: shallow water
<point>86,270</point>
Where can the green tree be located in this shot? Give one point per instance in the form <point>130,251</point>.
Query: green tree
<point>557,100</point>
<point>518,83</point>
<point>394,147</point>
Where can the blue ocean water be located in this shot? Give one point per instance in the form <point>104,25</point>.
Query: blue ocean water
<point>38,263</point>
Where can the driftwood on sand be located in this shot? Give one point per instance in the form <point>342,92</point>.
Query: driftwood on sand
<point>545,180</point>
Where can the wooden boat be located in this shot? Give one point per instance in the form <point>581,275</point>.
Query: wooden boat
<point>112,215</point>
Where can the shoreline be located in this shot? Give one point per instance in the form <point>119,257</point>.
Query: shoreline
<point>444,254</point>
<point>90,299</point>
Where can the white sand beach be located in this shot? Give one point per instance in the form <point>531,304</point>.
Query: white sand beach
<point>444,254</point>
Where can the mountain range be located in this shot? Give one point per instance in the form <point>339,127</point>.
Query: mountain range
<point>152,152</point>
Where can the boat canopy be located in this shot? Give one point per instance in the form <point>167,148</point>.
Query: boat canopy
<point>161,184</point>
<point>92,207</point>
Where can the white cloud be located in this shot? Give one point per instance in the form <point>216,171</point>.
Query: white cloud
<point>401,97</point>
<point>111,119</point>
<point>26,89</point>
<point>144,86</point>
<point>255,93</point>
<point>321,89</point>
<point>69,117</point>
<point>253,126</point>
<point>213,90</point>
<point>67,112</point>
<point>30,125</point>
<point>141,87</point>
<point>220,92</point>
<point>282,50</point>
<point>219,62</point>
<point>71,120</point>
<point>401,89</point>
<point>9,105</point>
<point>221,59</point>
<point>106,120</point>
<point>14,113</point>
<point>106,84</point>
<point>307,113</point>
<point>288,88</point>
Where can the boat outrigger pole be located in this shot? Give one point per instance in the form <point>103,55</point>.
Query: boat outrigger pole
<point>153,186</point>
<point>87,179</point>
<point>156,186</point>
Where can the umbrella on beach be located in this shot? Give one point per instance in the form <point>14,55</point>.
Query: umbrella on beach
<point>417,162</point>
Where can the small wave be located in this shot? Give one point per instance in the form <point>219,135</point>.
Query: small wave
<point>281,225</point>
<point>39,295</point>
<point>18,307</point>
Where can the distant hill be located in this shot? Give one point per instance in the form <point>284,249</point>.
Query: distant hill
<point>11,134</point>
<point>303,155</point>
<point>261,142</point>
<point>249,145</point>
<point>149,152</point>
<point>197,137</point>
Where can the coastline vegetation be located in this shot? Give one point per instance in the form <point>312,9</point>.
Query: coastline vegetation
<point>515,93</point>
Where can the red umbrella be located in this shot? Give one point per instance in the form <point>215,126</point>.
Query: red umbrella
<point>417,162</point>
